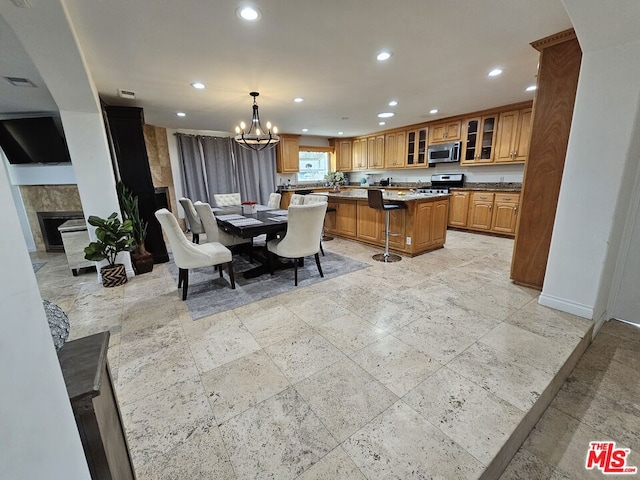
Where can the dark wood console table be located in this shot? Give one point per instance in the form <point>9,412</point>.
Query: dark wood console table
<point>90,388</point>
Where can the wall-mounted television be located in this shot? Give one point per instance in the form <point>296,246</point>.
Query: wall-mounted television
<point>33,140</point>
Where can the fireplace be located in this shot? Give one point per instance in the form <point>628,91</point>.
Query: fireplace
<point>162,198</point>
<point>49,223</point>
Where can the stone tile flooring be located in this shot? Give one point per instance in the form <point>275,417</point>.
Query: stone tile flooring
<point>417,369</point>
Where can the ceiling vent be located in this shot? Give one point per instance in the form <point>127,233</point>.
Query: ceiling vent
<point>20,82</point>
<point>129,94</point>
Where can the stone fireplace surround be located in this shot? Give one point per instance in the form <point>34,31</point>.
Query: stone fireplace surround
<point>50,199</point>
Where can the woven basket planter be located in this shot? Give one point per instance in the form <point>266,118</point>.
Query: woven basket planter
<point>113,275</point>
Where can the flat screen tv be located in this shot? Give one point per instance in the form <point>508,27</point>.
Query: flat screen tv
<point>33,140</point>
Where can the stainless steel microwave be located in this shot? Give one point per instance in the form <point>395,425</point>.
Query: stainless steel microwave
<point>444,153</point>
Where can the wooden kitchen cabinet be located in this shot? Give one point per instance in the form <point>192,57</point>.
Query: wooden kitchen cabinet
<point>480,211</point>
<point>375,152</point>
<point>505,213</point>
<point>514,132</point>
<point>359,154</point>
<point>394,149</point>
<point>445,132</point>
<point>287,154</point>
<point>430,224</point>
<point>344,220</point>
<point>479,138</point>
<point>459,209</point>
<point>417,148</point>
<point>371,226</point>
<point>344,152</point>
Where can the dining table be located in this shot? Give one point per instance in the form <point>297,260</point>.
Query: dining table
<point>267,221</point>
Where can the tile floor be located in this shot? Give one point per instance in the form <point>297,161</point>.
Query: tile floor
<point>419,369</point>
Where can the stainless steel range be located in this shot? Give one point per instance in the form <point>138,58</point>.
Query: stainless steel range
<point>441,183</point>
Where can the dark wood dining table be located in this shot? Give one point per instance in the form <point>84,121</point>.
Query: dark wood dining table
<point>267,226</point>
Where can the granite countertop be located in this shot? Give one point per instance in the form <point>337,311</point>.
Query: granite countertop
<point>361,194</point>
<point>497,186</point>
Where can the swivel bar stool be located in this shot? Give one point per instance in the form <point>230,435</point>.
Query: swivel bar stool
<point>377,203</point>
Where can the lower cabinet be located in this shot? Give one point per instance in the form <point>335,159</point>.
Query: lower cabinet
<point>430,224</point>
<point>344,222</point>
<point>484,211</point>
<point>420,227</point>
<point>459,210</point>
<point>505,213</point>
<point>480,211</point>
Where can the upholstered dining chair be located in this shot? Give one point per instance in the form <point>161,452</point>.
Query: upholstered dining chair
<point>186,255</point>
<point>211,229</point>
<point>297,199</point>
<point>227,199</point>
<point>195,225</point>
<point>274,200</point>
<point>301,240</point>
<point>309,199</point>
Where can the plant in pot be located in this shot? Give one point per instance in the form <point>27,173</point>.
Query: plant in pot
<point>141,259</point>
<point>113,237</point>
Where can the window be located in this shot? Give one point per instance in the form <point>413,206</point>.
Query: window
<point>314,165</point>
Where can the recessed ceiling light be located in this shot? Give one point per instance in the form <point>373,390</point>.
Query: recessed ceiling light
<point>298,99</point>
<point>340,133</point>
<point>382,123</point>
<point>495,72</point>
<point>305,129</point>
<point>181,114</point>
<point>433,111</point>
<point>386,115</point>
<point>248,13</point>
<point>393,103</point>
<point>198,85</point>
<point>530,88</point>
<point>384,55</point>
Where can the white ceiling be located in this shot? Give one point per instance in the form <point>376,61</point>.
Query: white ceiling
<point>323,51</point>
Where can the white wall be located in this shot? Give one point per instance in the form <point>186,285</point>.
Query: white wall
<point>38,435</point>
<point>598,175</point>
<point>41,174</point>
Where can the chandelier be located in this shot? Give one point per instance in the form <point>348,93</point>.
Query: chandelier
<point>256,137</point>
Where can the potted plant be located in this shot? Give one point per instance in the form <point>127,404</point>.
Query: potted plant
<point>336,179</point>
<point>141,259</point>
<point>113,237</point>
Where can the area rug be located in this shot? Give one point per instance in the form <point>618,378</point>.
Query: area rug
<point>37,266</point>
<point>209,294</point>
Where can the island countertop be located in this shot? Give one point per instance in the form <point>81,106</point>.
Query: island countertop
<point>393,195</point>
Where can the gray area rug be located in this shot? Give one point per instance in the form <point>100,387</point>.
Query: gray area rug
<point>209,294</point>
<point>37,266</point>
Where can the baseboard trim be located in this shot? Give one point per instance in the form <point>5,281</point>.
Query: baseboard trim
<point>567,306</point>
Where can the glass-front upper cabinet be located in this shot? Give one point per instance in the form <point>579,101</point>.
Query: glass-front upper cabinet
<point>479,140</point>
<point>417,148</point>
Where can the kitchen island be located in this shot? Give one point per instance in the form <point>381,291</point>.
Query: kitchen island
<point>422,225</point>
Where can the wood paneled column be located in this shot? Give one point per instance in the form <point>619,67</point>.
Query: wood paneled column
<point>560,57</point>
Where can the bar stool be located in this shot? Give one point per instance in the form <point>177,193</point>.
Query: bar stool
<point>377,203</point>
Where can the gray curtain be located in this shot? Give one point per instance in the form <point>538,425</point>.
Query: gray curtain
<point>256,173</point>
<point>193,178</point>
<point>213,165</point>
<point>219,165</point>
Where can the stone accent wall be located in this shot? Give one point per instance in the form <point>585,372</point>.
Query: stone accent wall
<point>159,163</point>
<point>47,198</point>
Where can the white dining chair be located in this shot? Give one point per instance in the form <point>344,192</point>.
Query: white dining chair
<point>274,200</point>
<point>211,229</point>
<point>301,240</point>
<point>195,225</point>
<point>309,199</point>
<point>187,255</point>
<point>296,199</point>
<point>227,199</point>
